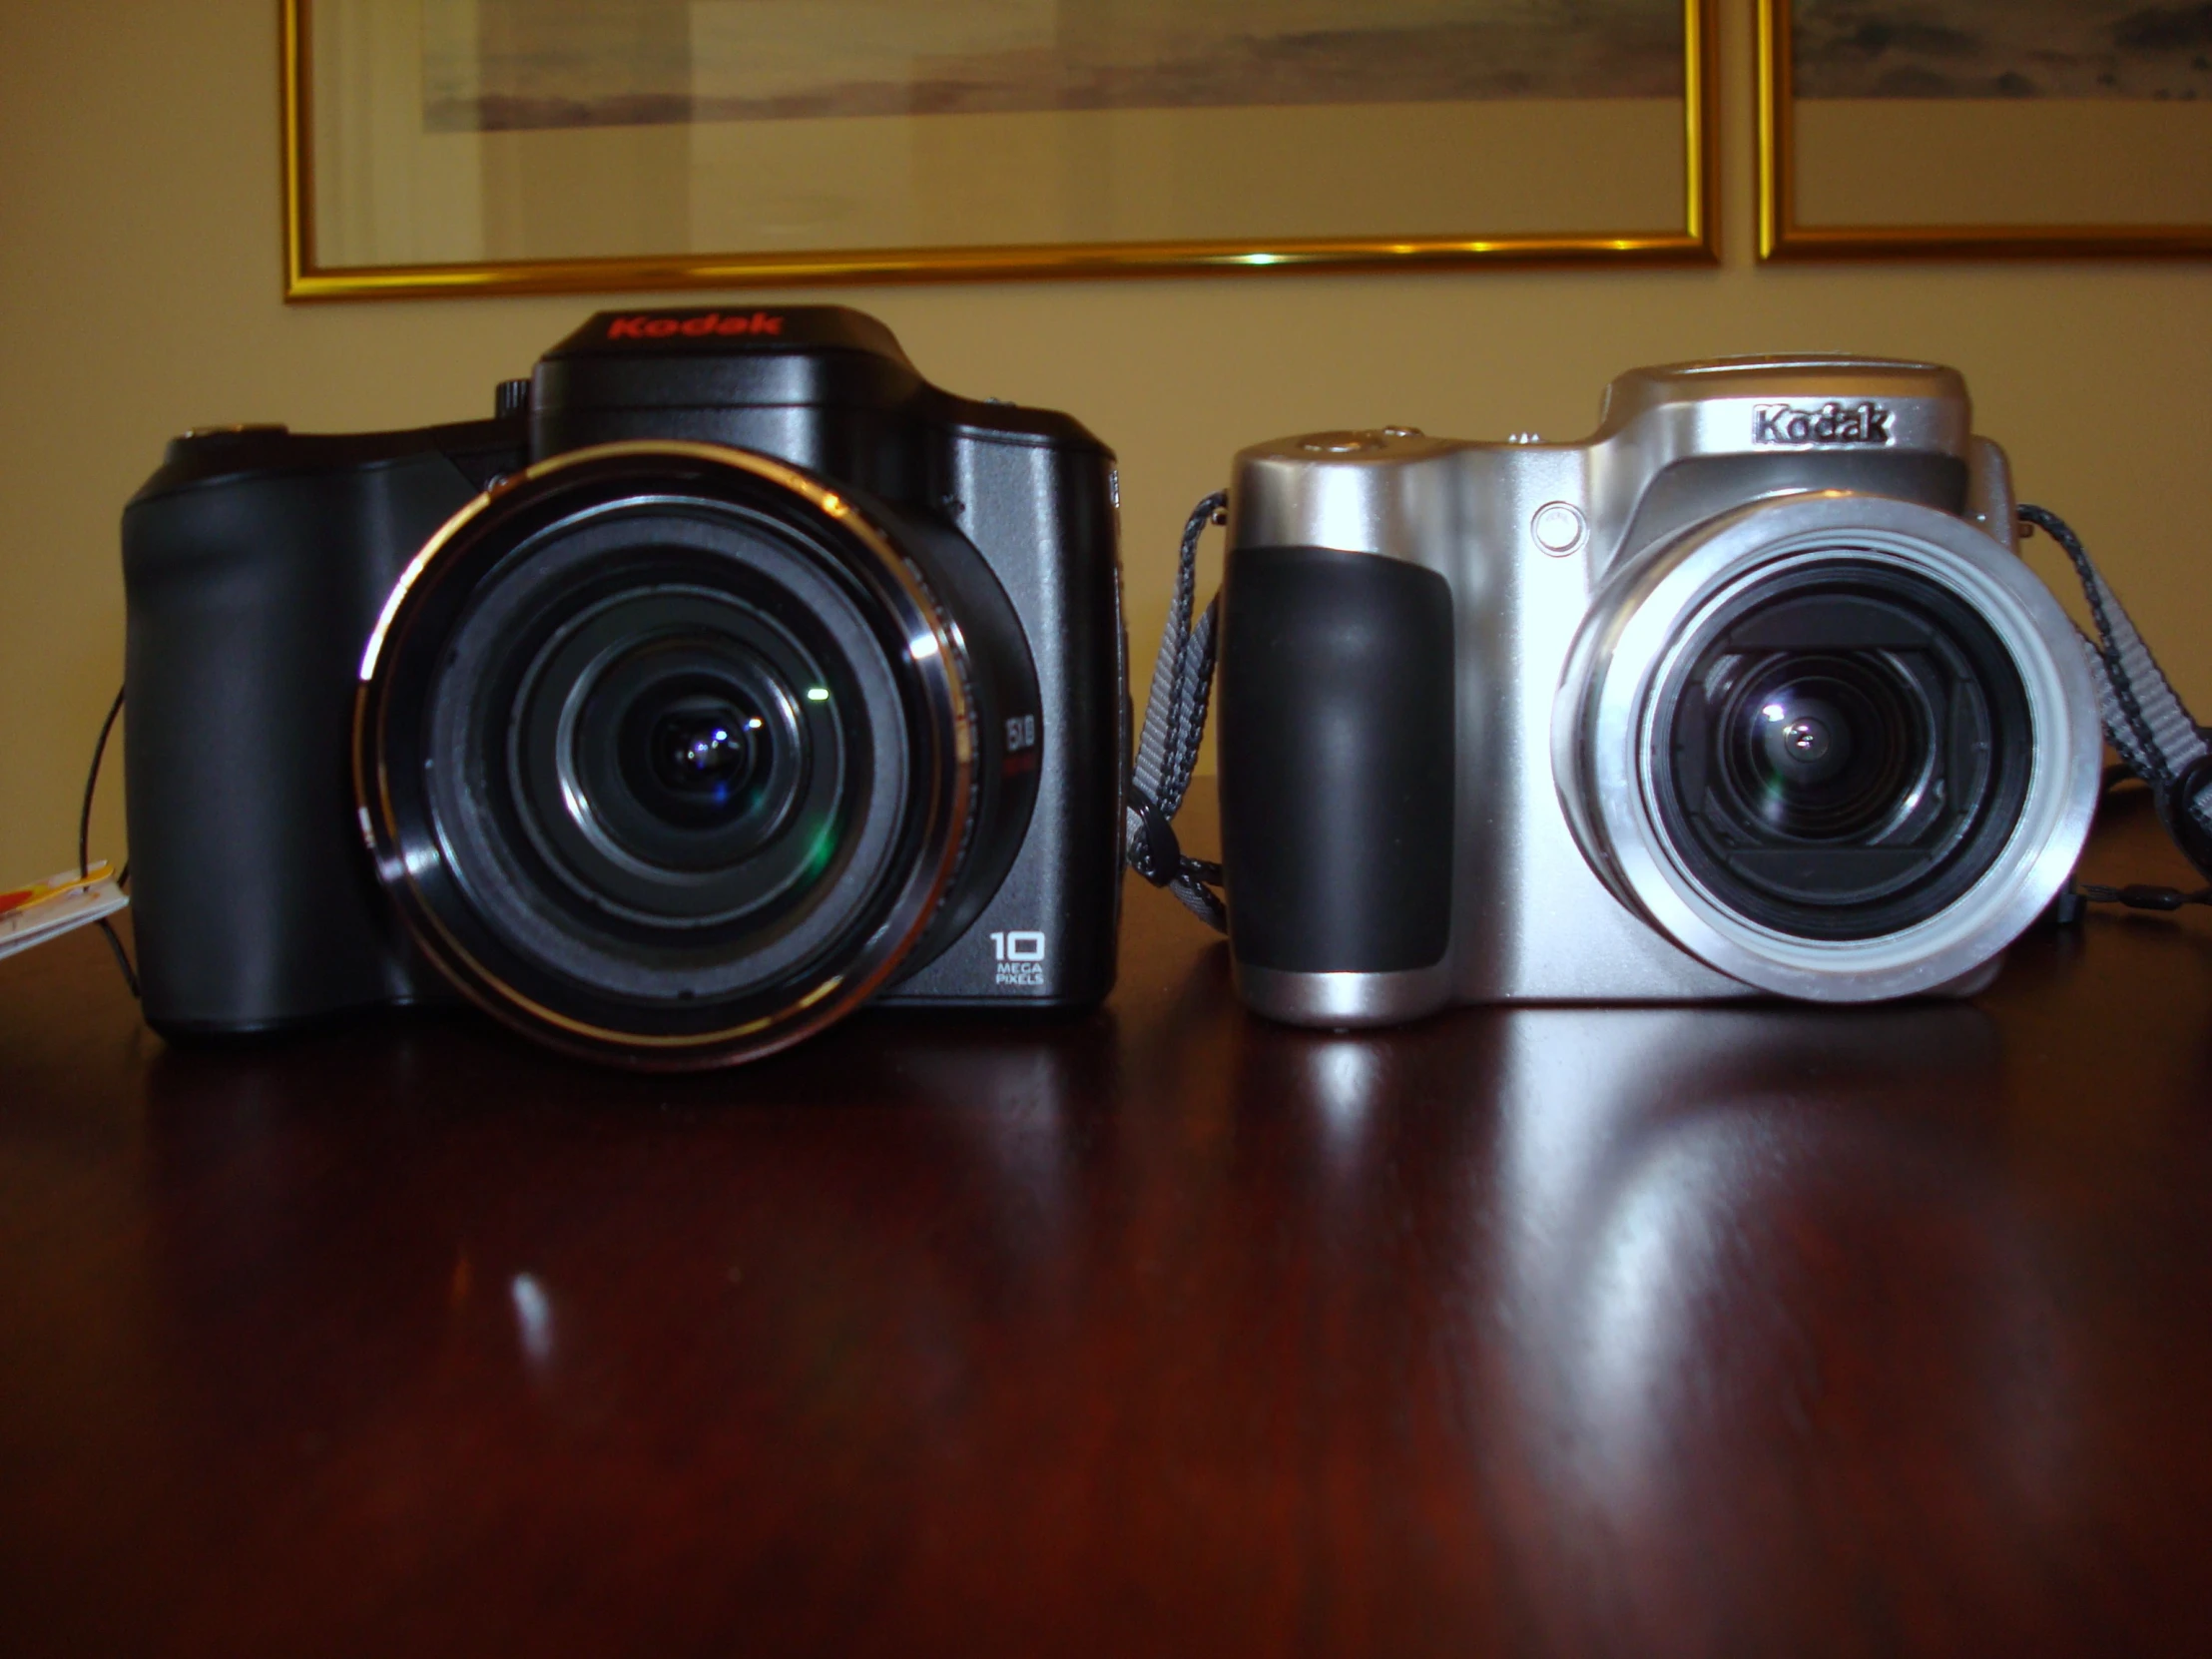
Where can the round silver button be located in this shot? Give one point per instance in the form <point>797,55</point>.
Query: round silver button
<point>1557,527</point>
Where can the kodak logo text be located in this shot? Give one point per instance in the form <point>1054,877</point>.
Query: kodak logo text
<point>1830,424</point>
<point>648,326</point>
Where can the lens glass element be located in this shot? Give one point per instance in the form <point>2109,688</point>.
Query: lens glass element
<point>1845,749</point>
<point>701,753</point>
<point>1825,747</point>
<point>664,762</point>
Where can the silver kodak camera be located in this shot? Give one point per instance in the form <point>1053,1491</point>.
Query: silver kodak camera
<point>1746,694</point>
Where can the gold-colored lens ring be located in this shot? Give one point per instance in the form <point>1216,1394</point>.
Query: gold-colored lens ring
<point>934,649</point>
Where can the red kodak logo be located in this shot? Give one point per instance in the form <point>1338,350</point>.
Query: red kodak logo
<point>647,326</point>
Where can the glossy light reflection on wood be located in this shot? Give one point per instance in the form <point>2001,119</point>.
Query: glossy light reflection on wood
<point>1555,1330</point>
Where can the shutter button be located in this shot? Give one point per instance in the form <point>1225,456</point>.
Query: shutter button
<point>1357,444</point>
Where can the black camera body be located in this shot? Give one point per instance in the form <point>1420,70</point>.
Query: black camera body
<point>732,676</point>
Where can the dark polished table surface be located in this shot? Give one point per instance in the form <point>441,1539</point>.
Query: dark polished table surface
<point>1638,1330</point>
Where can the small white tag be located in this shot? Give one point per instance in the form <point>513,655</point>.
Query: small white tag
<point>47,909</point>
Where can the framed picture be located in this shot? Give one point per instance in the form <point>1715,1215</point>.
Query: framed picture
<point>1985,127</point>
<point>506,146</point>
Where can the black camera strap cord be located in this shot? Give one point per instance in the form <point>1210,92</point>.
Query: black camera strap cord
<point>2143,718</point>
<point>84,843</point>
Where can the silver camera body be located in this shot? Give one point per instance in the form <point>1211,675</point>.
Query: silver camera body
<point>1747,694</point>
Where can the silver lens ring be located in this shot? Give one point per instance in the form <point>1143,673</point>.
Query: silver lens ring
<point>1635,640</point>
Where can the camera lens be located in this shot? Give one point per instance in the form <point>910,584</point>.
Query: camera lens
<point>1825,747</point>
<point>661,759</point>
<point>668,754</point>
<point>700,750</point>
<point>1828,744</point>
<point>1846,750</point>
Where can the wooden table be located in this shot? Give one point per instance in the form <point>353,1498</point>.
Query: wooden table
<point>1556,1331</point>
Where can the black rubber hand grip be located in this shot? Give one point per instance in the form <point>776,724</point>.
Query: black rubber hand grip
<point>1336,733</point>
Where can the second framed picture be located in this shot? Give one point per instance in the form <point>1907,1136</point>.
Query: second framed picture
<point>454,145</point>
<point>1985,127</point>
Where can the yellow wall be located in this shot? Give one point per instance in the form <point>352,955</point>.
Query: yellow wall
<point>138,294</point>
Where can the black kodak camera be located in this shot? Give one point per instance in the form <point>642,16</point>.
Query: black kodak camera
<point>732,676</point>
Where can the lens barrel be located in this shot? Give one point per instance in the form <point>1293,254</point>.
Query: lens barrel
<point>665,752</point>
<point>1836,746</point>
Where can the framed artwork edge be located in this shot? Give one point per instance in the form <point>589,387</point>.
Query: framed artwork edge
<point>1783,240</point>
<point>1697,241</point>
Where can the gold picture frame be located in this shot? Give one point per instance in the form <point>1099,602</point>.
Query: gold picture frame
<point>310,276</point>
<point>1784,235</point>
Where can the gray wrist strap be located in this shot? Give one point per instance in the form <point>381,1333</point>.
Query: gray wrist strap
<point>2143,718</point>
<point>1174,722</point>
